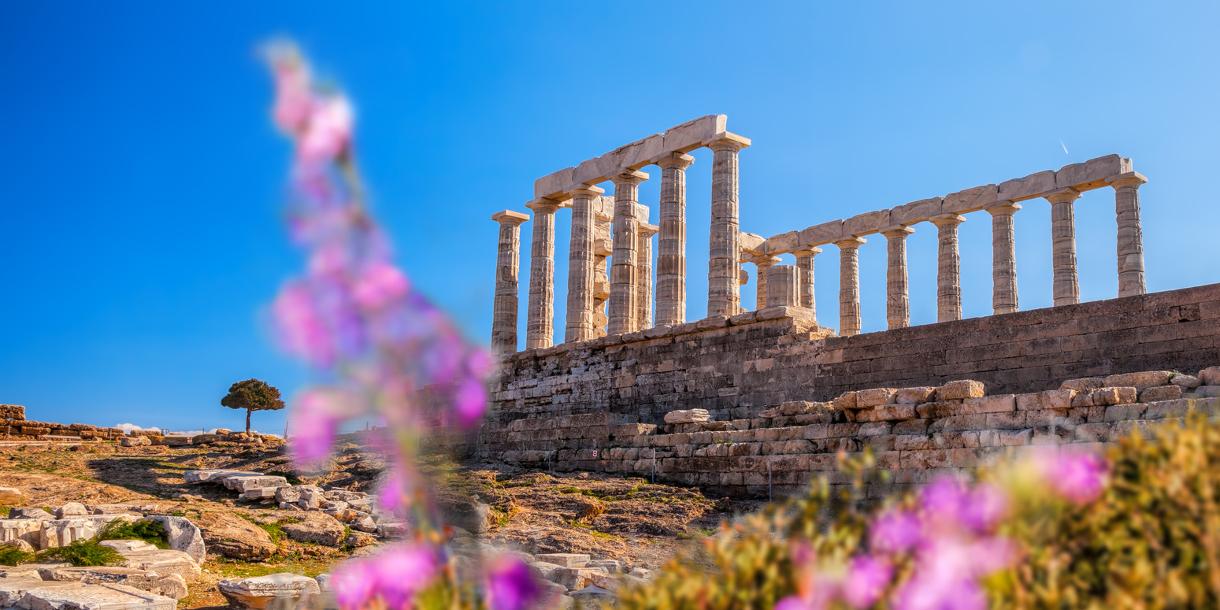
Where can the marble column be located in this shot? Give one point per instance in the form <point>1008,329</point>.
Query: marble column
<point>804,267</point>
<point>1130,234</point>
<point>643,304</point>
<point>723,291</point>
<point>783,286</point>
<point>508,263</point>
<point>897,296</point>
<point>849,286</point>
<point>581,265</point>
<point>1066,286</point>
<point>540,317</point>
<point>948,268</point>
<point>763,265</point>
<point>1003,258</point>
<point>671,246</point>
<point>624,262</point>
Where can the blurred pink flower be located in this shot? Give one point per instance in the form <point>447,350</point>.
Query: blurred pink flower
<point>378,285</point>
<point>510,585</point>
<point>402,571</point>
<point>391,495</point>
<point>300,326</point>
<point>984,507</point>
<point>470,402</point>
<point>292,94</point>
<point>354,583</point>
<point>894,531</point>
<point>329,131</point>
<point>866,581</point>
<point>942,500</point>
<point>312,426</point>
<point>1077,476</point>
<point>792,602</point>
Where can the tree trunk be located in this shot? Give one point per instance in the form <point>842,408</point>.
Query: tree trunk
<point>247,421</point>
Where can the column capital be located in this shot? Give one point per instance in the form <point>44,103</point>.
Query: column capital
<point>947,220</point>
<point>544,206</point>
<point>509,217</point>
<point>675,160</point>
<point>1129,179</point>
<point>803,251</point>
<point>630,176</point>
<point>1003,208</point>
<point>588,190</point>
<point>897,232</point>
<point>728,142</point>
<point>647,230</point>
<point>851,243</point>
<point>1067,195</point>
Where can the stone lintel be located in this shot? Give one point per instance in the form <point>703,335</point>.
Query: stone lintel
<point>825,233</point>
<point>1032,186</point>
<point>915,211</point>
<point>1091,174</point>
<point>969,200</point>
<point>867,223</point>
<point>510,217</point>
<point>750,244</point>
<point>782,243</point>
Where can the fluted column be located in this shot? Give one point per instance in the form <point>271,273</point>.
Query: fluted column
<point>804,267</point>
<point>624,261</point>
<point>581,265</point>
<point>783,286</point>
<point>540,318</point>
<point>508,263</point>
<point>643,303</point>
<point>763,265</point>
<point>1066,286</point>
<point>1003,258</point>
<point>723,291</point>
<point>897,297</point>
<point>1130,234</point>
<point>849,286</point>
<point>948,268</point>
<point>671,247</point>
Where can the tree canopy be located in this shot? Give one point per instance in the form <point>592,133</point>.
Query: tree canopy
<point>252,395</point>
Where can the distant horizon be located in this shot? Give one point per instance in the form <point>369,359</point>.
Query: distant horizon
<point>145,190</point>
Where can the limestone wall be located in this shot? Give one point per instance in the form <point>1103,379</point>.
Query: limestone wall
<point>737,367</point>
<point>13,412</point>
<point>914,432</point>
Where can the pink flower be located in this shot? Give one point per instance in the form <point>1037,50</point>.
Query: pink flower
<point>354,584</point>
<point>470,402</point>
<point>378,285</point>
<point>391,496</point>
<point>895,531</point>
<point>312,426</point>
<point>402,571</point>
<point>984,507</point>
<point>510,585</point>
<point>866,580</point>
<point>479,363</point>
<point>329,132</point>
<point>1079,477</point>
<point>943,499</point>
<point>792,602</point>
<point>300,325</point>
<point>292,91</point>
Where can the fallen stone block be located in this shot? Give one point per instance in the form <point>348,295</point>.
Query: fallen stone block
<point>273,591</point>
<point>27,530</point>
<point>244,483</point>
<point>1186,382</point>
<point>567,560</point>
<point>687,416</point>
<point>162,561</point>
<point>71,509</point>
<point>172,585</point>
<point>183,535</point>
<point>80,596</point>
<point>28,512</point>
<point>316,528</point>
<point>195,477</point>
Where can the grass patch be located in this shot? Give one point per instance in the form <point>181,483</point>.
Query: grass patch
<point>83,553</point>
<point>152,532</point>
<point>274,530</point>
<point>11,556</point>
<point>311,567</point>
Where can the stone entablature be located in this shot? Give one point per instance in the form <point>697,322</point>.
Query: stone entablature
<point>628,241</point>
<point>914,432</point>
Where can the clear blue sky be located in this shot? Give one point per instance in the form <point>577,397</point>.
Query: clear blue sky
<point>142,179</point>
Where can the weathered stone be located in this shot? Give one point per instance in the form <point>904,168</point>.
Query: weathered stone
<point>567,560</point>
<point>244,483</point>
<point>28,512</point>
<point>914,396</point>
<point>961,389</point>
<point>845,401</point>
<point>71,509</point>
<point>686,416</point>
<point>274,591</point>
<point>1001,403</point>
<point>316,528</point>
<point>1083,384</point>
<point>874,397</point>
<point>888,412</point>
<point>171,585</point>
<point>1186,382</point>
<point>81,596</point>
<point>195,477</point>
<point>10,496</point>
<point>1210,376</point>
<point>182,535</point>
<point>1159,393</point>
<point>1141,380</point>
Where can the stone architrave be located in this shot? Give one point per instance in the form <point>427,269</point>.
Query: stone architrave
<point>1130,234</point>
<point>643,303</point>
<point>581,265</point>
<point>671,246</point>
<point>624,265</point>
<point>897,296</point>
<point>804,266</point>
<point>540,318</point>
<point>948,268</point>
<point>1003,258</point>
<point>1066,284</point>
<point>849,285</point>
<point>762,265</point>
<point>508,262</point>
<point>723,291</point>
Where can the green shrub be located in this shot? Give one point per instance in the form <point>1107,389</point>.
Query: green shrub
<point>83,553</point>
<point>152,532</point>
<point>11,555</point>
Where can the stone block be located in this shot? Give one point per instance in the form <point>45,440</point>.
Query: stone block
<point>566,560</point>
<point>1001,403</point>
<point>873,397</point>
<point>687,416</point>
<point>1141,380</point>
<point>183,535</point>
<point>866,223</point>
<point>845,401</point>
<point>939,408</point>
<point>1210,376</point>
<point>1093,173</point>
<point>825,233</point>
<point>1186,382</point>
<point>888,412</point>
<point>1104,397</point>
<point>11,496</point>
<point>915,211</point>
<point>1159,393</point>
<point>969,200</point>
<point>1083,384</point>
<point>81,596</point>
<point>782,243</point>
<point>1207,391</point>
<point>914,396</point>
<point>1050,399</point>
<point>1032,186</point>
<point>273,591</point>
<point>960,389</point>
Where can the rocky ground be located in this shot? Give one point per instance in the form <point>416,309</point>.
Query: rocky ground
<point>631,521</point>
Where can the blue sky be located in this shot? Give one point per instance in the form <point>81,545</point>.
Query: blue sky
<point>143,180</point>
